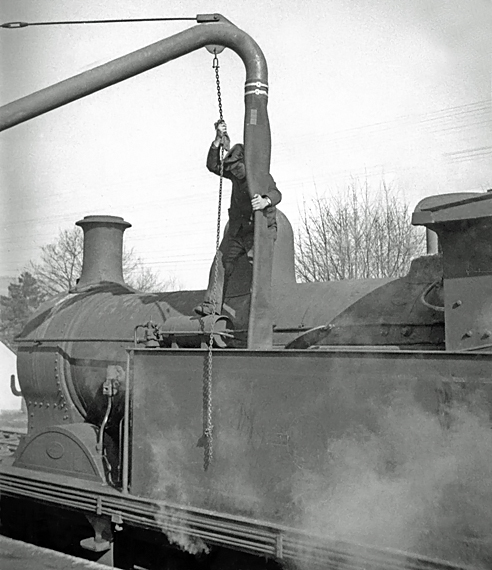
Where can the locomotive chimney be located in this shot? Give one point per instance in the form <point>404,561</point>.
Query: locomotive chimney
<point>103,250</point>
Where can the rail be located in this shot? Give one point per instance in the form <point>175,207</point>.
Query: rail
<point>9,441</point>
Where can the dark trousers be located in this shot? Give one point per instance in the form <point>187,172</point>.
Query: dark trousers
<point>230,250</point>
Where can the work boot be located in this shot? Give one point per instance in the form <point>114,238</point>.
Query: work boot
<point>205,309</point>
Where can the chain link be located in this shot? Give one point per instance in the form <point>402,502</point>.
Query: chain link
<point>215,65</point>
<point>208,365</point>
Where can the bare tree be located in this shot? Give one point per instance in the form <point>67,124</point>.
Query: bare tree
<point>16,308</point>
<point>61,262</point>
<point>61,266</point>
<point>356,235</point>
<point>142,278</point>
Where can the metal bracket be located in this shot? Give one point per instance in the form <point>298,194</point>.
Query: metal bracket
<point>115,376</point>
<point>14,25</point>
<point>117,520</point>
<point>151,335</point>
<point>209,18</point>
<point>102,540</point>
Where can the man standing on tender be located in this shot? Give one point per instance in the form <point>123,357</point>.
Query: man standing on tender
<point>239,237</point>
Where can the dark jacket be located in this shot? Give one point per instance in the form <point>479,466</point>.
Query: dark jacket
<point>241,212</point>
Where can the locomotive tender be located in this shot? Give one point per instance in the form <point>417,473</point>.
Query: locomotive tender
<point>126,428</point>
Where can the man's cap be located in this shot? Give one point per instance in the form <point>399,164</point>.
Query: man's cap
<point>235,154</point>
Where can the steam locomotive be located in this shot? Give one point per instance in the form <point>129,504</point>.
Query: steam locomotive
<point>261,436</point>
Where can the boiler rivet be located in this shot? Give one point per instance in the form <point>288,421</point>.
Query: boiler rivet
<point>468,334</point>
<point>457,304</point>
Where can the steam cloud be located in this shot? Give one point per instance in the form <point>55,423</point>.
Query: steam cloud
<point>418,483</point>
<point>169,455</point>
<point>413,481</point>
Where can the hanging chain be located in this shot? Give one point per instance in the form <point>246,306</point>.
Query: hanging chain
<point>208,371</point>
<point>215,65</point>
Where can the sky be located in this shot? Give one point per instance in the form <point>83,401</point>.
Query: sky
<point>369,89</point>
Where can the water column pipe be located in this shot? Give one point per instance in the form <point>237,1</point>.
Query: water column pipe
<point>213,29</point>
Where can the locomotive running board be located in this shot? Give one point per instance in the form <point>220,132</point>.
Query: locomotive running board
<point>241,533</point>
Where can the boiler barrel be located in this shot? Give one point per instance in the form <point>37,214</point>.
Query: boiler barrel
<point>66,348</point>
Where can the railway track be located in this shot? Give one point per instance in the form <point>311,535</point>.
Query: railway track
<point>9,441</point>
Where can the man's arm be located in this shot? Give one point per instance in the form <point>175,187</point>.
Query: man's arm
<point>213,162</point>
<point>271,198</point>
<point>213,157</point>
<point>273,193</point>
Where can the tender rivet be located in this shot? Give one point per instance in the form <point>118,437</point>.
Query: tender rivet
<point>468,334</point>
<point>457,304</point>
<point>486,334</point>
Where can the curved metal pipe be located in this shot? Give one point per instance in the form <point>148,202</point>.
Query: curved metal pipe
<point>13,387</point>
<point>220,31</point>
<point>215,29</point>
